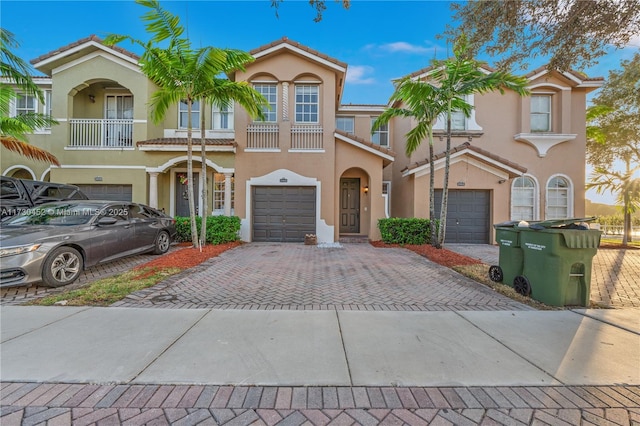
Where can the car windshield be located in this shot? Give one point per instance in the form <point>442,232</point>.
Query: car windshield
<point>55,214</point>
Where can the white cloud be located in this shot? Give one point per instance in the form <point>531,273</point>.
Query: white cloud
<point>358,74</point>
<point>634,41</point>
<point>404,47</point>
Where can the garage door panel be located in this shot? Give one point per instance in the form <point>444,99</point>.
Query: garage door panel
<point>283,213</point>
<point>107,192</point>
<point>467,216</point>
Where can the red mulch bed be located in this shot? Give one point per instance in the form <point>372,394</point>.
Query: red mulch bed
<point>442,257</point>
<point>188,256</point>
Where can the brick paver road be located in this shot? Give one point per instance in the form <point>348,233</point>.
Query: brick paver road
<point>84,404</point>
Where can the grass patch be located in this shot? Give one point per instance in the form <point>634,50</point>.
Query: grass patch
<point>612,241</point>
<point>107,291</point>
<point>480,273</point>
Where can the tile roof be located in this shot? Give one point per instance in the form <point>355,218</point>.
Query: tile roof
<point>299,46</point>
<point>473,148</point>
<point>430,67</point>
<point>80,42</point>
<point>576,74</point>
<point>366,143</point>
<point>183,141</point>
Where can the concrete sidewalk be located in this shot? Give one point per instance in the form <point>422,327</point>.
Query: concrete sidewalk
<point>321,348</point>
<point>65,365</point>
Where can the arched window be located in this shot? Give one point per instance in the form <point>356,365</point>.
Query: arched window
<point>559,204</point>
<point>523,199</point>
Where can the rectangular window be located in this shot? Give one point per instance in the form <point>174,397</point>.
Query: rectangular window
<point>270,92</point>
<point>540,113</point>
<point>184,115</point>
<point>346,124</point>
<point>223,117</point>
<point>26,104</point>
<point>307,104</point>
<point>48,107</point>
<point>381,135</point>
<point>458,120</point>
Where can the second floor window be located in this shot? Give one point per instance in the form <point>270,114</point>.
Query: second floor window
<point>307,104</point>
<point>346,124</point>
<point>184,115</point>
<point>381,134</point>
<point>270,92</point>
<point>458,120</point>
<point>223,117</point>
<point>25,104</point>
<point>540,113</point>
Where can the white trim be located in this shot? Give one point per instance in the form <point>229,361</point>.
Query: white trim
<point>361,146</point>
<point>263,81</point>
<point>44,174</point>
<point>493,167</point>
<point>133,66</point>
<point>536,196</point>
<point>78,48</point>
<point>314,82</point>
<point>284,177</point>
<point>103,166</point>
<point>543,142</point>
<point>387,199</point>
<point>262,150</point>
<point>556,86</point>
<point>285,45</point>
<point>310,151</point>
<point>172,162</point>
<point>350,109</point>
<point>570,195</point>
<point>20,167</point>
<point>98,148</point>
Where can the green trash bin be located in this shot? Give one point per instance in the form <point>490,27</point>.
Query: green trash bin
<point>557,265</point>
<point>511,258</point>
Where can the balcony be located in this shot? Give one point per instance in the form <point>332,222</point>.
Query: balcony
<point>306,138</point>
<point>263,137</point>
<point>91,133</point>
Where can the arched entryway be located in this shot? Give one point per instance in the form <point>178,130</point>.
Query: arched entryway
<point>353,203</point>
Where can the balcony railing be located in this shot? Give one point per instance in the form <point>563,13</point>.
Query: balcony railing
<point>263,136</point>
<point>306,137</point>
<point>99,133</point>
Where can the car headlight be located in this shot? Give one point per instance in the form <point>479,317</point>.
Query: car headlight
<point>11,251</point>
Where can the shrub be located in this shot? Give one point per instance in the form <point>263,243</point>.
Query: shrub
<point>220,229</point>
<point>397,230</point>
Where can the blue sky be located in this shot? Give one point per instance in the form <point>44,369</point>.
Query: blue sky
<point>379,40</point>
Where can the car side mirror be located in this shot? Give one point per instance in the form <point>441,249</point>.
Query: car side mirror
<point>107,220</point>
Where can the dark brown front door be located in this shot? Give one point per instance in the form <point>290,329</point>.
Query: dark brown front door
<point>349,206</point>
<point>182,202</point>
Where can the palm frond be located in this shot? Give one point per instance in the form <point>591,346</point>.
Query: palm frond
<point>33,152</point>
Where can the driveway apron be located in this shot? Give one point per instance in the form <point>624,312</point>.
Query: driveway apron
<point>295,276</point>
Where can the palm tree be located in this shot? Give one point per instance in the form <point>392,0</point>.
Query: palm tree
<point>13,130</point>
<point>457,78</point>
<point>421,101</point>
<point>183,74</point>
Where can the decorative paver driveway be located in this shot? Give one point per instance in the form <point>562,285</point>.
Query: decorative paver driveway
<point>615,278</point>
<point>295,276</point>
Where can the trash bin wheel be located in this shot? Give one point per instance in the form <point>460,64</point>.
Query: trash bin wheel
<point>521,285</point>
<point>495,273</point>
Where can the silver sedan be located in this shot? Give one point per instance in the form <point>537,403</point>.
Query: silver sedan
<point>55,242</point>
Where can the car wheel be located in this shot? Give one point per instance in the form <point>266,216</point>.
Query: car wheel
<point>162,243</point>
<point>63,266</point>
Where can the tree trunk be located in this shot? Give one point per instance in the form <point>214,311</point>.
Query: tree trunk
<point>190,191</point>
<point>445,183</point>
<point>203,162</point>
<point>432,201</point>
